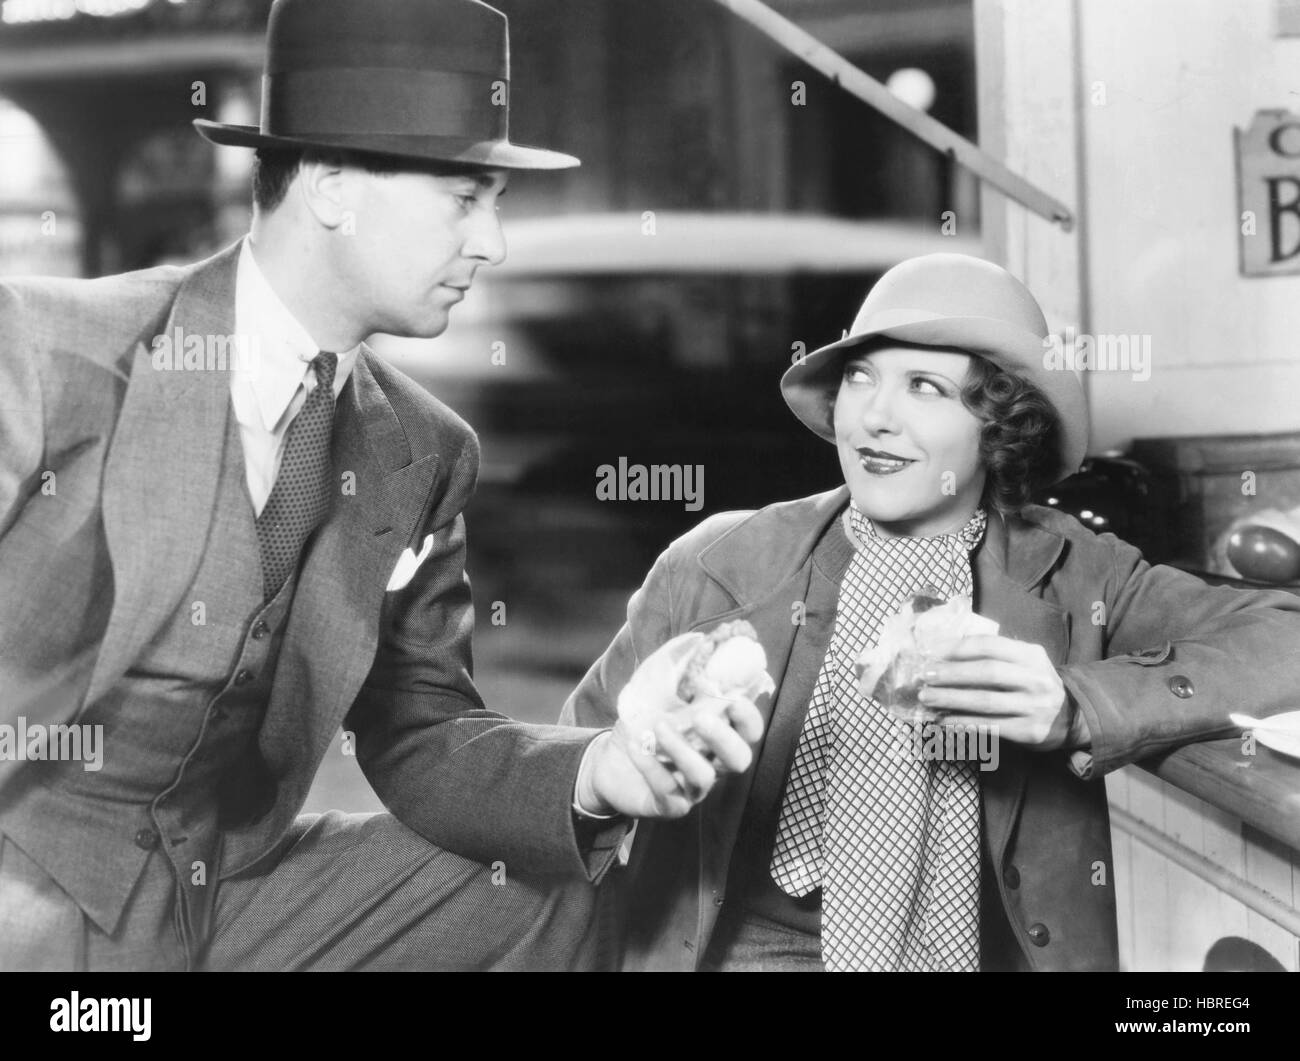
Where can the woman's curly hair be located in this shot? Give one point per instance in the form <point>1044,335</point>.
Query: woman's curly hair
<point>1021,435</point>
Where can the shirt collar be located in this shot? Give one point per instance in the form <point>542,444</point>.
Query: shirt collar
<point>969,535</point>
<point>283,348</point>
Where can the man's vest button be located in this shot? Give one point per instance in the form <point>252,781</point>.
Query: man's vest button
<point>146,839</point>
<point>260,630</point>
<point>243,677</point>
<point>1181,686</point>
<point>1038,935</point>
<point>1012,877</point>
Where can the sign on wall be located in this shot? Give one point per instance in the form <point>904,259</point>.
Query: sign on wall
<point>1268,193</point>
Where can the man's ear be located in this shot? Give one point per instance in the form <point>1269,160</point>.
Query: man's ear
<point>323,186</point>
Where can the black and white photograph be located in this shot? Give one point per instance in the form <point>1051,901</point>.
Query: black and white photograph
<point>651,486</point>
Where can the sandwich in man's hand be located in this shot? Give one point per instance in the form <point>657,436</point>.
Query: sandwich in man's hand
<point>708,671</point>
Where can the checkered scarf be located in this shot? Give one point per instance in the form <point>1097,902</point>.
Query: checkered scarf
<point>891,838</point>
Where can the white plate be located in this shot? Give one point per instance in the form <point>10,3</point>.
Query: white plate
<point>1284,740</point>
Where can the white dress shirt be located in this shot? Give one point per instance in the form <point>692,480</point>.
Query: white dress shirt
<point>269,387</point>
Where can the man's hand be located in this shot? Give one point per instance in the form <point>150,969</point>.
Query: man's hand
<point>665,755</point>
<point>998,681</point>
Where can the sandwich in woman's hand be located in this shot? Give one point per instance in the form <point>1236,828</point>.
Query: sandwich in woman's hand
<point>920,634</point>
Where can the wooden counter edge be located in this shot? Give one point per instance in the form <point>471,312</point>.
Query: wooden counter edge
<point>1263,789</point>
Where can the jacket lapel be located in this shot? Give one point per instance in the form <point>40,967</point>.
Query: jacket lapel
<point>334,625</point>
<point>161,472</point>
<point>759,789</point>
<point>1015,557</point>
<point>720,816</point>
<point>768,595</point>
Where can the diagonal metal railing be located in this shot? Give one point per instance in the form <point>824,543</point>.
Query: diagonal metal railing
<point>871,92</point>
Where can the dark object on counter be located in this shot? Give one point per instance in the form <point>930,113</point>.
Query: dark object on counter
<point>1232,954</point>
<point>1264,554</point>
<point>1111,494</point>
<point>1202,484</point>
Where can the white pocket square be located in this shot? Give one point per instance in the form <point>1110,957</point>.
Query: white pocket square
<point>408,563</point>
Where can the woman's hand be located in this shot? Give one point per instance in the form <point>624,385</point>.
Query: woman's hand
<point>998,681</point>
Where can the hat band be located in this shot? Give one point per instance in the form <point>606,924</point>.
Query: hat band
<point>486,56</point>
<point>382,101</point>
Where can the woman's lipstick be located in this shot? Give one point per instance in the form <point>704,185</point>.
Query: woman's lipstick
<point>882,462</point>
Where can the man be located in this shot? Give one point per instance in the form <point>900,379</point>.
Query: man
<point>227,529</point>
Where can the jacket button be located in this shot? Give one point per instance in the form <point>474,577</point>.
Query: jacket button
<point>1181,686</point>
<point>260,630</point>
<point>717,900</point>
<point>1012,877</point>
<point>243,677</point>
<point>146,839</point>
<point>1038,935</point>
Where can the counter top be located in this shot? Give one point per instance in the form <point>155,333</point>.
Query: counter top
<point>1262,789</point>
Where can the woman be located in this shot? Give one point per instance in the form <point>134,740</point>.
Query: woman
<point>836,851</point>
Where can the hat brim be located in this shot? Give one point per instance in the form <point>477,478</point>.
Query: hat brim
<point>809,386</point>
<point>490,154</point>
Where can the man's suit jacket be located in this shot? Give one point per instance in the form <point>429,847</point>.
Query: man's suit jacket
<point>1126,638</point>
<point>91,570</point>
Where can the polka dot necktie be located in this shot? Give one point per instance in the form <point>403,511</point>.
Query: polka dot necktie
<point>301,495</point>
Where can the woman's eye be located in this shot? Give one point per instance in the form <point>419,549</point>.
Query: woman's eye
<point>856,374</point>
<point>926,386</point>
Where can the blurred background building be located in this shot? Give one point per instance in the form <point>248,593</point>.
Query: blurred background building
<point>732,209</point>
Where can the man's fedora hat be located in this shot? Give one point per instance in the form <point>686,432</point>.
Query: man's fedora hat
<point>958,302</point>
<point>426,80</point>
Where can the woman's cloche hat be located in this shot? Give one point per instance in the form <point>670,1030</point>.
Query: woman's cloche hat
<point>426,80</point>
<point>958,302</point>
